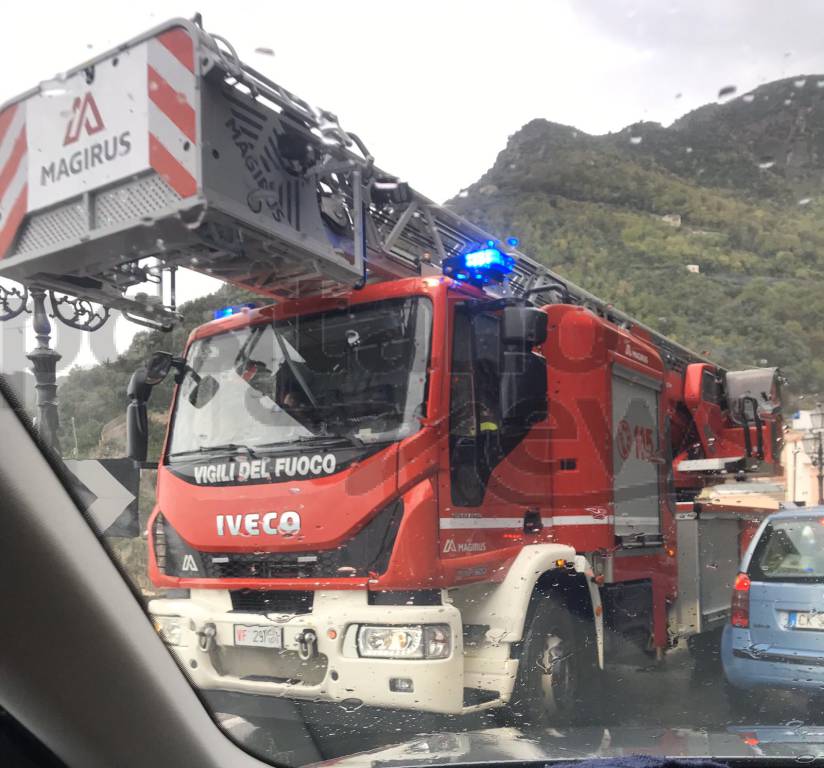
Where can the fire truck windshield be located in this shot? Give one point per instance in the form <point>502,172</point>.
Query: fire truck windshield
<point>357,374</point>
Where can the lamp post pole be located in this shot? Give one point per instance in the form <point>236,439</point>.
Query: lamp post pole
<point>44,365</point>
<point>820,467</point>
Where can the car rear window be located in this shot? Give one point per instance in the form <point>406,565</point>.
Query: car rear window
<point>790,550</point>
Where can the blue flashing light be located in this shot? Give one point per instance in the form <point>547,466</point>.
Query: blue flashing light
<point>481,267</point>
<point>232,310</point>
<point>513,242</point>
<point>485,258</point>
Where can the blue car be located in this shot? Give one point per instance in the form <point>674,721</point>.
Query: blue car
<point>775,637</point>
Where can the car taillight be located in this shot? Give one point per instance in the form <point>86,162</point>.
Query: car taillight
<point>741,601</point>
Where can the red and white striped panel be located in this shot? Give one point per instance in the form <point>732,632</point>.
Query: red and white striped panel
<point>173,134</point>
<point>13,174</point>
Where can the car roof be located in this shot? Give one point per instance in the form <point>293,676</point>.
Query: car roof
<point>797,512</point>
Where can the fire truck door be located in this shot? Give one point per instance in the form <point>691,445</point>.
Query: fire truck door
<point>635,450</point>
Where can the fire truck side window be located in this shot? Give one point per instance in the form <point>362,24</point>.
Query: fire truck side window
<point>475,411</point>
<point>711,391</point>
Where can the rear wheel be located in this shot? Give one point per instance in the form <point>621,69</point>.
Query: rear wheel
<point>558,674</point>
<point>744,705</point>
<point>705,650</point>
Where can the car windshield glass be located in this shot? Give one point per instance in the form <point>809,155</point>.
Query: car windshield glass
<point>427,431</point>
<point>790,550</point>
<point>357,373</point>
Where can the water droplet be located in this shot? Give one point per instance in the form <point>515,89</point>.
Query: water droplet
<point>263,51</point>
<point>678,95</point>
<point>688,150</point>
<point>748,97</point>
<point>819,83</point>
<point>766,162</point>
<point>787,102</point>
<point>464,193</point>
<point>727,91</point>
<point>160,243</point>
<point>636,139</point>
<point>804,201</point>
<point>53,87</point>
<point>800,83</point>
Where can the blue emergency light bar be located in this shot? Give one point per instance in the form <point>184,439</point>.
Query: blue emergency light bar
<point>482,267</point>
<point>232,310</point>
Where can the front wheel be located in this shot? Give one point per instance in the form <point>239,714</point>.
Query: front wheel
<point>557,669</point>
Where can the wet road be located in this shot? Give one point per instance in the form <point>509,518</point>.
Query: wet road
<point>677,693</point>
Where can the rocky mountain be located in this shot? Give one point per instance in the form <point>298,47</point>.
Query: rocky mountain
<point>710,229</point>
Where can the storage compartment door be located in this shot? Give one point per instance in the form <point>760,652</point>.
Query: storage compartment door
<point>635,451</point>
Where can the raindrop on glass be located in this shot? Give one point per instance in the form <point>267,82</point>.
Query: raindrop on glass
<point>54,87</point>
<point>263,51</point>
<point>766,162</point>
<point>727,91</point>
<point>748,97</point>
<point>804,201</point>
<point>636,139</point>
<point>800,83</point>
<point>463,193</point>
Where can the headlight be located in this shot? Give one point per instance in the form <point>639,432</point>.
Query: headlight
<point>429,641</point>
<point>170,629</point>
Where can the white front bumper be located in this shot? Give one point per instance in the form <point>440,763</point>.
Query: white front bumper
<point>336,673</point>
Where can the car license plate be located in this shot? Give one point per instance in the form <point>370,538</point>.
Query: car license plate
<point>804,620</point>
<point>258,637</point>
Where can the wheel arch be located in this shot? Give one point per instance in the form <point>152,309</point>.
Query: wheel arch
<point>507,607</point>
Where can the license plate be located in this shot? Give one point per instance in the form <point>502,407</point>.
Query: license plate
<point>803,620</point>
<point>258,637</point>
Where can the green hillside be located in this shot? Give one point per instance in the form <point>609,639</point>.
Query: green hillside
<point>732,189</point>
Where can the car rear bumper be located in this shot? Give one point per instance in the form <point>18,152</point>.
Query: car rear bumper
<point>335,672</point>
<point>756,666</point>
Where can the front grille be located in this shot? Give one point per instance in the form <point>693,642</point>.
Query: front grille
<point>271,601</point>
<point>272,565</point>
<point>366,553</point>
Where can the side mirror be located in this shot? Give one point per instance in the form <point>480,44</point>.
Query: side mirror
<point>137,421</point>
<point>158,367</point>
<point>523,327</point>
<point>205,389</point>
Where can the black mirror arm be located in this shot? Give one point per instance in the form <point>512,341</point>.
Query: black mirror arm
<point>139,390</point>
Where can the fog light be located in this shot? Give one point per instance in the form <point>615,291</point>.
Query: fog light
<point>401,685</point>
<point>170,629</point>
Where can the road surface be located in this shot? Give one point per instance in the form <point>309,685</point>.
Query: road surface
<point>676,693</point>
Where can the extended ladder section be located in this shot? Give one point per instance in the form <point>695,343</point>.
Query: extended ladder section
<point>169,152</point>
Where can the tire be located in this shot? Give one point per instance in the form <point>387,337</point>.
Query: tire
<point>705,650</point>
<point>558,676</point>
<point>744,705</point>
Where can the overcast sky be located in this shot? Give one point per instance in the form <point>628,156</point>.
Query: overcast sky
<point>435,88</point>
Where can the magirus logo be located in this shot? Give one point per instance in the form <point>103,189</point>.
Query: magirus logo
<point>86,121</point>
<point>85,114</point>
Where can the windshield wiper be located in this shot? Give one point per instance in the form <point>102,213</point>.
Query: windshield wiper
<point>355,442</point>
<point>222,448</point>
<point>321,439</point>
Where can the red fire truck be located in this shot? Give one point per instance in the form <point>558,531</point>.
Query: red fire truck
<point>433,474</point>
